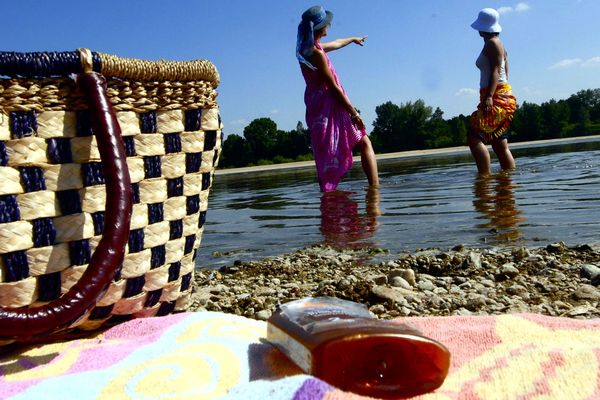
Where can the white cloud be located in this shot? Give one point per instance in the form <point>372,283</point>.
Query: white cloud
<point>466,92</point>
<point>522,7</point>
<point>519,8</point>
<point>592,62</point>
<point>274,111</point>
<point>566,63</point>
<point>574,62</point>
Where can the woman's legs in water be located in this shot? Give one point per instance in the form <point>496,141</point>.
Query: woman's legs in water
<point>503,153</point>
<point>480,153</point>
<point>368,160</point>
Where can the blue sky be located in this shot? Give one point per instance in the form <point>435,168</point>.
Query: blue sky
<point>415,49</point>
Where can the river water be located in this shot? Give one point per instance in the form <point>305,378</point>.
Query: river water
<point>554,194</point>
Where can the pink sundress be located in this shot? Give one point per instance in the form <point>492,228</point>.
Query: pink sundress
<point>333,134</point>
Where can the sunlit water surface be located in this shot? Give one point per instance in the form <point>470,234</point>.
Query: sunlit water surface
<point>429,202</point>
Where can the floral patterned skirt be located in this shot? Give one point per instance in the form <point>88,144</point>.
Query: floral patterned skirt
<point>492,125</point>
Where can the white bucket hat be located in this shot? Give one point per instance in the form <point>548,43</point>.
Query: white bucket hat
<point>487,21</point>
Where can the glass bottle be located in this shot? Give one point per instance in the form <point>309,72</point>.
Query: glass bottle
<point>340,342</point>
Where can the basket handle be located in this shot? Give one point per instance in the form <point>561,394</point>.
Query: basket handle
<point>29,324</point>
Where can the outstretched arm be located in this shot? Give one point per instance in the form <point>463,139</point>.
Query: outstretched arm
<point>339,43</point>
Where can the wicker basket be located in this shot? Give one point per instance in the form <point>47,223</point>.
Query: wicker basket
<point>74,254</point>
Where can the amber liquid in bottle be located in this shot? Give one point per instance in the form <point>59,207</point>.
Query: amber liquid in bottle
<point>339,342</point>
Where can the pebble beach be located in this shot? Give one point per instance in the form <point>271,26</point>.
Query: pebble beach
<point>555,280</point>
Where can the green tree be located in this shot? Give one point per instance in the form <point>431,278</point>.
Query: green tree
<point>413,124</point>
<point>385,135</point>
<point>401,127</point>
<point>527,122</point>
<point>582,121</point>
<point>437,131</point>
<point>236,152</point>
<point>458,130</point>
<point>555,118</point>
<point>261,135</point>
<point>588,99</point>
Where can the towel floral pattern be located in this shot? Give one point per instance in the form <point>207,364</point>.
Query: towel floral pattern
<point>214,355</point>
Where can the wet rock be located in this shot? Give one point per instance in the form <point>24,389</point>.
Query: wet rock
<point>556,247</point>
<point>458,247</point>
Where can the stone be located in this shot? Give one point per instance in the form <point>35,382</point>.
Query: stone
<point>589,271</point>
<point>581,310</point>
<point>587,292</point>
<point>488,283</point>
<point>555,247</point>
<point>377,309</point>
<point>556,282</point>
<point>474,260</point>
<point>265,291</point>
<point>516,290</point>
<point>426,285</point>
<point>509,270</point>
<point>400,282</point>
<point>393,294</point>
<point>407,274</point>
<point>463,312</point>
<point>475,302</point>
<point>378,279</point>
<point>263,315</point>
<point>520,253</point>
<point>344,284</point>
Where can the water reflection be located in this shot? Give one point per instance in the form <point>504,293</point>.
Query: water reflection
<point>495,201</point>
<point>343,225</point>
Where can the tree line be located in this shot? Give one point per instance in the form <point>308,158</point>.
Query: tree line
<point>416,126</point>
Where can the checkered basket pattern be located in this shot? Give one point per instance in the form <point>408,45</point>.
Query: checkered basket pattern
<point>52,186</point>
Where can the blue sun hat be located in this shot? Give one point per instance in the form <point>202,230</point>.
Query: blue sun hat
<point>313,19</point>
<point>487,21</point>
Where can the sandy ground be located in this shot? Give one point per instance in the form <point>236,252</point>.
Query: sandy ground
<point>407,154</point>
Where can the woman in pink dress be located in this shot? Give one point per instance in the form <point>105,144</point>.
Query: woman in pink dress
<point>335,125</point>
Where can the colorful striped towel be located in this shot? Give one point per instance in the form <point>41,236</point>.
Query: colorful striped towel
<point>209,355</point>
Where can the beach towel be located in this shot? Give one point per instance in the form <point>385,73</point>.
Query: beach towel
<point>333,134</point>
<point>209,355</point>
<point>492,125</point>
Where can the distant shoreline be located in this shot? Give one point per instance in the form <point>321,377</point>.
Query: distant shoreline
<point>407,154</point>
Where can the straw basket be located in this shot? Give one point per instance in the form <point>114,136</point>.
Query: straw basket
<point>105,169</point>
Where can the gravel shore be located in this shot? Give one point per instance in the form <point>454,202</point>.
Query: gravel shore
<point>555,280</point>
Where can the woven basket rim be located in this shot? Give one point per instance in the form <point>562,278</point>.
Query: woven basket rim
<point>109,65</point>
<point>159,70</point>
